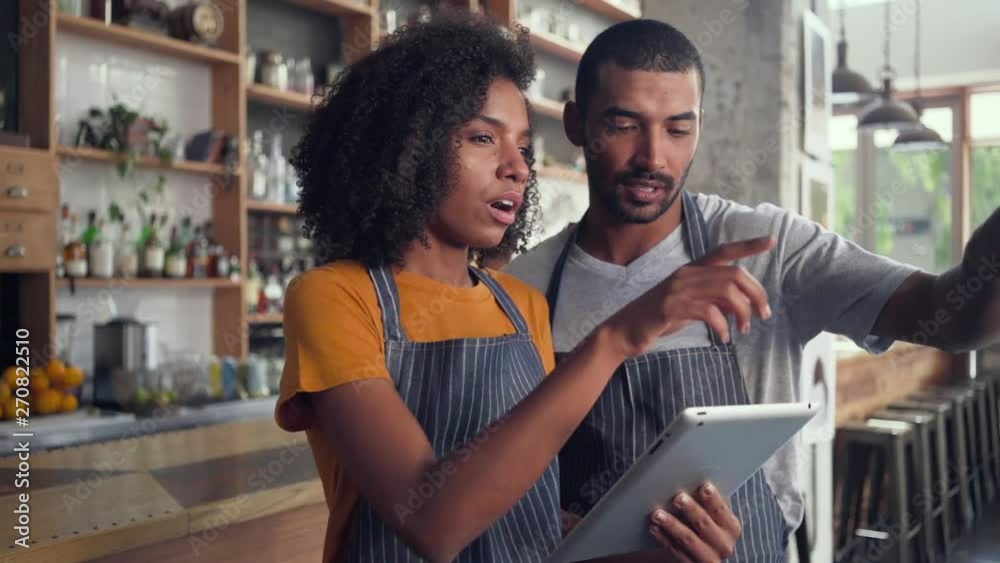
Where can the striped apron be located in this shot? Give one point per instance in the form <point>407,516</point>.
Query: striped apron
<point>455,389</point>
<point>643,398</point>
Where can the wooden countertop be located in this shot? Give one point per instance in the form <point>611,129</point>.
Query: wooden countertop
<point>98,499</point>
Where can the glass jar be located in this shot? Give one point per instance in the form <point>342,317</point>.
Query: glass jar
<point>251,66</point>
<point>274,71</point>
<point>304,81</point>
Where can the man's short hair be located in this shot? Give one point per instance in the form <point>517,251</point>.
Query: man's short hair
<point>637,45</point>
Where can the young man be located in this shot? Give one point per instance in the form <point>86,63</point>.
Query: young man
<point>638,114</point>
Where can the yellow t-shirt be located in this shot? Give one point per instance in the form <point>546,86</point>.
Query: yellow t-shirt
<point>333,336</point>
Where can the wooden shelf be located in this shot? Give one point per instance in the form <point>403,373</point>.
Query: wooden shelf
<point>145,40</point>
<point>150,283</point>
<point>98,155</point>
<point>608,10</point>
<point>557,46</point>
<point>548,108</point>
<point>334,7</point>
<point>273,97</point>
<point>264,318</point>
<point>563,174</point>
<point>268,207</point>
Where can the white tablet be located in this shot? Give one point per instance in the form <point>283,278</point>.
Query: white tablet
<point>724,445</point>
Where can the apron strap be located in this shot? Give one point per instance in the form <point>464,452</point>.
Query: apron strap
<point>388,301</point>
<point>503,298</point>
<point>695,229</point>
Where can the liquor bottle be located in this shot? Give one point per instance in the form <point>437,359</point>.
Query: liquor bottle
<point>75,252</point>
<point>235,275</point>
<point>153,254</point>
<point>186,234</point>
<point>259,165</point>
<point>128,257</point>
<point>273,290</point>
<point>254,285</point>
<point>176,258</point>
<point>213,252</point>
<point>91,231</point>
<point>63,240</point>
<point>276,172</point>
<point>199,254</point>
<point>286,238</point>
<point>100,252</point>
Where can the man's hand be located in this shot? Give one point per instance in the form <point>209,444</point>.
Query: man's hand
<point>699,529</point>
<point>706,290</point>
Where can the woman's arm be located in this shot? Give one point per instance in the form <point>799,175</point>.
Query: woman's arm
<point>390,457</point>
<point>386,452</point>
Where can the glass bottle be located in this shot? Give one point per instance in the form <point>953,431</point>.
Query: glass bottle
<point>276,180</point>
<point>234,269</point>
<point>153,254</point>
<point>273,290</point>
<point>303,77</point>
<point>213,252</point>
<point>63,240</point>
<point>259,165</point>
<point>254,285</point>
<point>101,253</point>
<point>128,258</point>
<point>91,231</point>
<point>199,254</point>
<point>75,252</point>
<point>176,258</point>
<point>286,238</point>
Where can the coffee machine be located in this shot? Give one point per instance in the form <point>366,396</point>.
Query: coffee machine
<point>125,356</point>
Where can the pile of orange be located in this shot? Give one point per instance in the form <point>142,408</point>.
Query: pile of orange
<point>51,389</point>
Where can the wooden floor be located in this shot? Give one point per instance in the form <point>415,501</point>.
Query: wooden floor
<point>295,536</point>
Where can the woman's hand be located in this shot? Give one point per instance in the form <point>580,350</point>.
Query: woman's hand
<point>697,529</point>
<point>706,290</point>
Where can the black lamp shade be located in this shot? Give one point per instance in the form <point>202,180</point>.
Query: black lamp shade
<point>921,138</point>
<point>849,87</point>
<point>886,113</point>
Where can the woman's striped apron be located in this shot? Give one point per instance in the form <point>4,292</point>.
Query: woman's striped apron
<point>456,388</point>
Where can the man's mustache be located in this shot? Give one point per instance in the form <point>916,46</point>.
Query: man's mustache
<point>631,176</point>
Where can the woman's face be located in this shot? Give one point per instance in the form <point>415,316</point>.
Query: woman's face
<point>492,172</point>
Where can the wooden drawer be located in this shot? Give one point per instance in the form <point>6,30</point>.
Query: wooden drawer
<point>29,180</point>
<point>27,241</point>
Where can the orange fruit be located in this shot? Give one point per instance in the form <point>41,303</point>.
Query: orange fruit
<point>73,377</point>
<point>10,408</point>
<point>39,382</point>
<point>69,403</point>
<point>56,369</point>
<point>10,375</point>
<point>49,401</point>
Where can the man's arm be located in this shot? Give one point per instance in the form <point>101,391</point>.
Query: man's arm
<point>956,311</point>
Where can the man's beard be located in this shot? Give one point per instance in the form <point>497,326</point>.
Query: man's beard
<point>610,201</point>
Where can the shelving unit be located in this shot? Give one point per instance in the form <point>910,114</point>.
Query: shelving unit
<point>230,95</point>
<point>557,46</point>
<point>269,207</point>
<point>272,96</point>
<point>148,41</point>
<point>265,318</point>
<point>149,283</point>
<point>97,155</point>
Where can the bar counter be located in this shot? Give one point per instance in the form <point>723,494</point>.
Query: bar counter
<point>191,486</point>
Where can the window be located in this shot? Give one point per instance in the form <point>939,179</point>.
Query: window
<point>984,109</point>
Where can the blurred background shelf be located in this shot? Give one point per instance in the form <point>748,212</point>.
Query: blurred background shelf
<point>608,10</point>
<point>557,46</point>
<point>334,7</point>
<point>265,318</point>
<point>148,41</point>
<point>269,207</point>
<point>273,97</point>
<point>149,283</point>
<point>548,108</point>
<point>98,155</point>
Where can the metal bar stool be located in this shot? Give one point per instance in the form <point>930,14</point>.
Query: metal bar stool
<point>958,444</point>
<point>922,503</point>
<point>876,457</point>
<point>992,385</point>
<point>944,488</point>
<point>983,452</point>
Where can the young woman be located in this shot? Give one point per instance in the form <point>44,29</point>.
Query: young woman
<point>420,380</point>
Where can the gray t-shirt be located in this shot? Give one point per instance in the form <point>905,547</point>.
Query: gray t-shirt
<point>816,280</point>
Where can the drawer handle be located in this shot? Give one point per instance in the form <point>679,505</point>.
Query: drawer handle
<point>17,192</point>
<point>16,251</point>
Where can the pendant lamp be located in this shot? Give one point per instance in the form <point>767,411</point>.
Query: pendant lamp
<point>849,87</point>
<point>885,112</point>
<point>921,138</point>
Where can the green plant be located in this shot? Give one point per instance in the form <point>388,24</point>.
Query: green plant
<point>112,130</point>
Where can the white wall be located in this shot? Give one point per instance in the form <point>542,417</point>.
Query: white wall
<point>90,73</point>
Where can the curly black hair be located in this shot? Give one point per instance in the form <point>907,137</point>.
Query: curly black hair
<point>378,155</point>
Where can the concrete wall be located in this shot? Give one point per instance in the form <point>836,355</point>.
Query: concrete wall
<point>751,140</point>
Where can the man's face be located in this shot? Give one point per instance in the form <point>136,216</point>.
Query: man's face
<point>640,134</point>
